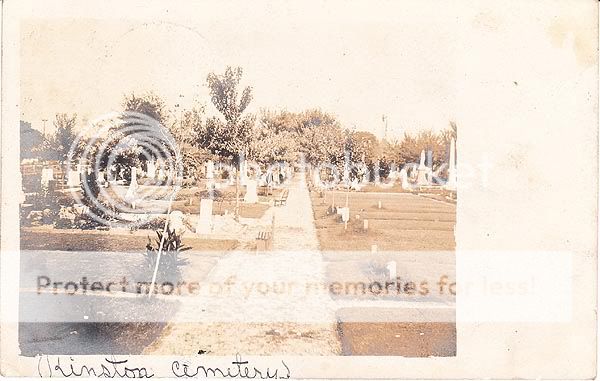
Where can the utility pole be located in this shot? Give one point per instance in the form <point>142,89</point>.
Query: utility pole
<point>44,127</point>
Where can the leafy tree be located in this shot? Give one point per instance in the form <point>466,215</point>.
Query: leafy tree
<point>120,143</point>
<point>282,121</point>
<point>148,104</point>
<point>185,133</point>
<point>364,146</point>
<point>31,140</point>
<point>410,147</point>
<point>64,136</point>
<point>229,138</point>
<point>274,138</point>
<point>449,133</point>
<point>321,138</point>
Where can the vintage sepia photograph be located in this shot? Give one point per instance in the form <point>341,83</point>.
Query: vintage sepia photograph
<point>178,196</point>
<point>282,182</point>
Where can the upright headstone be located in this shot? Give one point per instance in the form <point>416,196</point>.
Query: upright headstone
<point>413,172</point>
<point>451,183</point>
<point>131,195</point>
<point>345,214</point>
<point>47,176</point>
<point>391,270</point>
<point>101,179</point>
<point>346,176</point>
<point>74,178</point>
<point>404,179</point>
<point>251,197</point>
<point>205,221</point>
<point>422,171</point>
<point>161,174</point>
<point>81,173</point>
<point>210,169</point>
<point>150,169</point>
<point>133,176</point>
<point>176,222</point>
<point>316,178</point>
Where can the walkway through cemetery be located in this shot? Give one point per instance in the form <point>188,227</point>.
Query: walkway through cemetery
<point>262,303</point>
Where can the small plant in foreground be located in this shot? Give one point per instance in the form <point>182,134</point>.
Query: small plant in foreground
<point>170,261</point>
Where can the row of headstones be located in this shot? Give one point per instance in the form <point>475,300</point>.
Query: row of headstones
<point>421,175</point>
<point>268,176</point>
<point>74,177</point>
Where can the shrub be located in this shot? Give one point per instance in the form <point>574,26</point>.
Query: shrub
<point>170,261</point>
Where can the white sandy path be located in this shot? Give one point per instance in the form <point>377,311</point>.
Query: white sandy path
<point>266,293</point>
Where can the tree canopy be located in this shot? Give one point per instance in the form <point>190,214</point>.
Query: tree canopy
<point>229,138</point>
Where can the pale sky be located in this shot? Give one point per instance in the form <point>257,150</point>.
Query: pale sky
<point>354,61</point>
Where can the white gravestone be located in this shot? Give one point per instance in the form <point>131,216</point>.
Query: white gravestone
<point>80,170</point>
<point>47,176</point>
<point>451,183</point>
<point>251,197</point>
<point>150,169</point>
<point>73,179</point>
<point>176,222</point>
<point>161,174</point>
<point>210,170</point>
<point>316,178</point>
<point>391,270</point>
<point>101,178</point>
<point>344,213</point>
<point>404,179</point>
<point>134,176</point>
<point>131,194</point>
<point>422,171</point>
<point>205,221</point>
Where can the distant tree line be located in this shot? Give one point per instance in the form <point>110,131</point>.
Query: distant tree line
<point>265,137</point>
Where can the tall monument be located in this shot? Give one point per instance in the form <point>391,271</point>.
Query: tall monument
<point>451,183</point>
<point>422,171</point>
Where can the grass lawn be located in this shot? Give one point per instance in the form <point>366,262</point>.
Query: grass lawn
<point>404,222</point>
<point>400,336</point>
<point>182,200</point>
<point>34,239</point>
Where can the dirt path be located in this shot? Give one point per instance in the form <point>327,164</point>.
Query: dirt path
<point>262,303</point>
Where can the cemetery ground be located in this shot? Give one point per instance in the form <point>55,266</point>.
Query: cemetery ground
<point>404,222</point>
<point>416,234</point>
<point>260,321</point>
<point>309,246</point>
<point>68,253</point>
<point>105,256</point>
